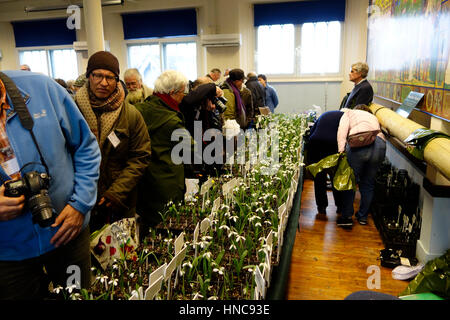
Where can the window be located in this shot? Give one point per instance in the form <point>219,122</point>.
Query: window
<point>55,63</point>
<point>152,58</point>
<point>299,50</point>
<point>275,49</point>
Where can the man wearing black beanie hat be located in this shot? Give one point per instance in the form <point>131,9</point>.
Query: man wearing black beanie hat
<point>121,134</point>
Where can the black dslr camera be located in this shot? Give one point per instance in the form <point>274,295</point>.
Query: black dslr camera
<point>34,186</point>
<point>220,103</point>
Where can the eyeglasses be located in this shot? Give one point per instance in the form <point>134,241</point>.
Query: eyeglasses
<point>98,77</point>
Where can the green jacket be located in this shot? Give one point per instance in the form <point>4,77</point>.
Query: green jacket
<point>122,167</point>
<point>230,112</point>
<point>163,180</point>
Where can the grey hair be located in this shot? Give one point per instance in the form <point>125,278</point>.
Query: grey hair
<point>170,81</point>
<point>361,67</point>
<point>132,72</point>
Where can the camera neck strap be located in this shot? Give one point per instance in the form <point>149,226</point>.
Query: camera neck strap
<point>21,109</point>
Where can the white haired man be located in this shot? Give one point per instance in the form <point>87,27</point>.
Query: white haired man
<point>138,91</point>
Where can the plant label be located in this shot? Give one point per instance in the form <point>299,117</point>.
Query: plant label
<point>157,273</point>
<point>170,268</point>
<point>153,290</point>
<point>260,282</point>
<point>269,239</point>
<point>205,187</point>
<point>204,225</point>
<point>196,234</point>
<point>141,293</point>
<point>191,187</point>
<point>180,256</point>
<point>216,205</point>
<point>281,210</point>
<point>179,243</point>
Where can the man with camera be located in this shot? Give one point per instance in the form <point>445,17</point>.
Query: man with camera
<point>49,170</point>
<point>202,107</point>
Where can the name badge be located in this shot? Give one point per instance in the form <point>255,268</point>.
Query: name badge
<point>113,139</point>
<point>11,166</point>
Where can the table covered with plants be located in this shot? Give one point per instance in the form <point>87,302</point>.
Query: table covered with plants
<point>225,241</point>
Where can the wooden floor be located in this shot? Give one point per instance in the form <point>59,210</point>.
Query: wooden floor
<point>328,262</point>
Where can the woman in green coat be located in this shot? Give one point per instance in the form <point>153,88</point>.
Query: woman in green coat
<point>163,180</point>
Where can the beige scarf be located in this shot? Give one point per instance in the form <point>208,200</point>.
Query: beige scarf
<point>100,114</point>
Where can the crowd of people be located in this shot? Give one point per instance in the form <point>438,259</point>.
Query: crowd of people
<point>97,150</point>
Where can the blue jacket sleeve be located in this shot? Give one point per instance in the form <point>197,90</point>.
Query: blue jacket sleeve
<point>274,97</point>
<point>86,156</point>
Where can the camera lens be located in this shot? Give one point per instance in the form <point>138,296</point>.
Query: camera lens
<point>41,209</point>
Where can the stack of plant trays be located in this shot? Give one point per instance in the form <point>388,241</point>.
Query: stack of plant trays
<point>395,209</point>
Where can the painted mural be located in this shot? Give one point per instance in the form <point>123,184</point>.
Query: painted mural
<point>408,50</point>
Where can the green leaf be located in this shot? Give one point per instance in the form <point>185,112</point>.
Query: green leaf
<point>219,257</point>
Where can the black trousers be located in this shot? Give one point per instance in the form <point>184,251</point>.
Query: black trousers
<point>27,280</point>
<point>316,152</point>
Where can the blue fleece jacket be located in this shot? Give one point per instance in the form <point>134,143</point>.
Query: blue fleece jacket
<point>70,151</point>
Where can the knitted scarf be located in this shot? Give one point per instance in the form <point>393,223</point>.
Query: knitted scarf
<point>239,104</point>
<point>100,114</point>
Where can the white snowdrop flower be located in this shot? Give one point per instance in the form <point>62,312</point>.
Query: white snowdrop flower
<point>58,289</point>
<point>260,210</point>
<point>114,282</point>
<point>213,298</point>
<point>207,255</point>
<point>115,267</point>
<point>274,197</point>
<point>231,233</point>
<point>93,269</point>
<point>132,275</point>
<point>258,224</point>
<point>146,250</point>
<point>232,247</point>
<point>70,288</point>
<point>103,279</point>
<point>75,296</point>
<point>206,238</point>
<point>234,218</point>
<point>250,270</point>
<point>182,273</point>
<point>239,238</point>
<point>207,202</point>
<point>187,264</point>
<point>219,270</point>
